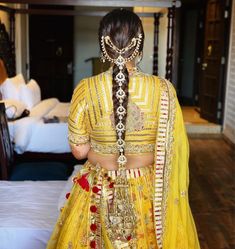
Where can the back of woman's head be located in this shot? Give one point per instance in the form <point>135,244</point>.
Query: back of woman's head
<point>121,39</point>
<point>121,26</point>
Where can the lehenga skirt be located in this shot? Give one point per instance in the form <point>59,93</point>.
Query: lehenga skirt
<point>81,223</point>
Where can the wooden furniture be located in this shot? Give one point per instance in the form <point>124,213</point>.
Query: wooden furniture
<point>155,43</point>
<point>5,164</point>
<point>170,4</point>
<point>31,169</point>
<point>3,72</point>
<point>103,3</point>
<point>7,48</point>
<point>212,69</point>
<point>170,41</point>
<point>6,151</point>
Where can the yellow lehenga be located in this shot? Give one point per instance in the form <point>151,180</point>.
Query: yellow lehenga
<point>159,192</point>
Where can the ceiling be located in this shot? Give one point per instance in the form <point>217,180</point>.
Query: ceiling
<point>101,3</point>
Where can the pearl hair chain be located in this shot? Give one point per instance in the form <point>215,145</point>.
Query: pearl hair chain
<point>120,61</point>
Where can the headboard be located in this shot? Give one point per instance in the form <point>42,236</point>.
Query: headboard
<point>3,72</point>
<point>7,50</point>
<point>6,149</point>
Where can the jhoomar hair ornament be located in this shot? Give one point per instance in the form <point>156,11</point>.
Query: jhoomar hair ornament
<point>121,218</point>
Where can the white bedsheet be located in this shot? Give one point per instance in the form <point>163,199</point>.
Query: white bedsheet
<point>28,213</point>
<point>32,134</point>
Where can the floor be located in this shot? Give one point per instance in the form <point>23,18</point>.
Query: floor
<point>197,125</point>
<point>212,192</point>
<point>191,115</point>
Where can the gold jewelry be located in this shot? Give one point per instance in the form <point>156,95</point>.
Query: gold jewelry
<point>121,218</point>
<point>120,79</point>
<point>133,70</point>
<point>139,58</point>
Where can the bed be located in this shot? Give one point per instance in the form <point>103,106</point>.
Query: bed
<point>29,210</point>
<point>44,128</point>
<point>32,134</point>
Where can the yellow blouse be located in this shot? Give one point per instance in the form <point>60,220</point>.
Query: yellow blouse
<point>91,114</point>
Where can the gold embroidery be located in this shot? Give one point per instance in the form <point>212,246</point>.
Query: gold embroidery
<point>84,240</point>
<point>163,156</point>
<point>70,245</point>
<point>183,193</point>
<point>135,118</point>
<point>176,201</point>
<point>130,148</point>
<point>160,155</point>
<point>78,139</point>
<point>169,148</point>
<point>87,118</point>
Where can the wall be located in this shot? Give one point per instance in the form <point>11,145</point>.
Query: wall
<point>229,117</point>
<point>85,45</point>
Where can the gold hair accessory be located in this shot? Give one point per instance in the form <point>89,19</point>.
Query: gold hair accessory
<point>121,217</point>
<point>120,79</point>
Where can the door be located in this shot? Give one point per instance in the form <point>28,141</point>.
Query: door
<point>213,62</point>
<point>51,55</point>
<point>187,55</point>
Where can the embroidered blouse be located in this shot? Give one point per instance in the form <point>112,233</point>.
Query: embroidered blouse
<point>91,117</point>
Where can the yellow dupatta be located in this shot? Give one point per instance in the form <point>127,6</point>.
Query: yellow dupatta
<point>174,224</point>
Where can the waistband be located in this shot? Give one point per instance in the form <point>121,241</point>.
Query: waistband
<point>131,173</point>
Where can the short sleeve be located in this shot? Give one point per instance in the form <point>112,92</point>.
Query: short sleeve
<point>77,131</point>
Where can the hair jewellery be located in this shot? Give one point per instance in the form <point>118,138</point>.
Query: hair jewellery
<point>121,218</point>
<point>120,79</point>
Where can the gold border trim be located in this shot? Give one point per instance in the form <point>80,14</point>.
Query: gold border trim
<point>163,155</point>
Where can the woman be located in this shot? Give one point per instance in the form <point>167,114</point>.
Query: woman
<point>132,190</point>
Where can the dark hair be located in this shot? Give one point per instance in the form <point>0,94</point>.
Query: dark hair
<point>121,26</point>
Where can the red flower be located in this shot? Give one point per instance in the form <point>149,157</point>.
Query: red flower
<point>93,208</point>
<point>111,184</point>
<point>129,237</point>
<point>93,227</point>
<point>67,195</point>
<point>83,182</point>
<point>95,189</point>
<point>93,244</point>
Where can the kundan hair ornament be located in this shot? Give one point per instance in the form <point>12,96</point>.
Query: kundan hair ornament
<point>120,61</point>
<point>121,220</point>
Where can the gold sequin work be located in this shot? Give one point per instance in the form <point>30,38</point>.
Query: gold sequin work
<point>91,114</point>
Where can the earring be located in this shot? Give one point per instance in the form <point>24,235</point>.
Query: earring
<point>139,58</point>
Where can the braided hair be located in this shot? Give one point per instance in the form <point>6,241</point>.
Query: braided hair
<point>121,26</point>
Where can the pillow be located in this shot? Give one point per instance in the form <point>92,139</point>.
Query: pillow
<point>11,86</point>
<point>30,94</point>
<point>42,108</point>
<point>18,80</point>
<point>9,90</point>
<point>14,108</point>
<point>68,186</point>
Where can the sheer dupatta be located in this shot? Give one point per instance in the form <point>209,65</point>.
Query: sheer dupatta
<point>174,224</point>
